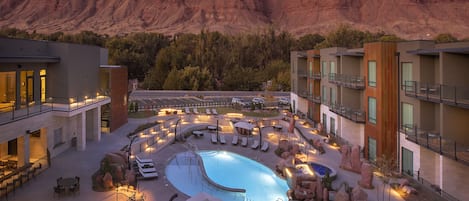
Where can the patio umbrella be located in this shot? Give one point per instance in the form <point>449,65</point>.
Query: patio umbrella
<point>203,196</point>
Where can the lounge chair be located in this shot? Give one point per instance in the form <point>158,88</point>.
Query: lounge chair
<point>145,165</point>
<point>244,141</point>
<point>148,175</point>
<point>207,111</point>
<point>265,146</point>
<point>235,140</point>
<point>222,139</point>
<point>138,159</point>
<point>214,138</point>
<point>255,145</point>
<point>147,170</point>
<point>214,111</point>
<point>187,110</point>
<point>196,111</point>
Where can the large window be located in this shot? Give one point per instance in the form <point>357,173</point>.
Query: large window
<point>407,116</point>
<point>372,73</point>
<point>371,149</point>
<point>332,129</point>
<point>324,122</point>
<point>324,69</point>
<point>333,71</point>
<point>333,94</point>
<point>310,69</point>
<point>372,110</point>
<point>42,74</point>
<point>7,90</point>
<point>407,162</point>
<point>310,89</point>
<point>324,95</point>
<point>406,77</point>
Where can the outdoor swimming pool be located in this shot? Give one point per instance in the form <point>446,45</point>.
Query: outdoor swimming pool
<point>227,169</point>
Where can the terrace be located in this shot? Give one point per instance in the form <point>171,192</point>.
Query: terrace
<point>349,81</point>
<point>355,115</point>
<point>438,93</point>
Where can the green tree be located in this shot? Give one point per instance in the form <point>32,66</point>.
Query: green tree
<point>445,38</point>
<point>173,80</point>
<point>309,41</point>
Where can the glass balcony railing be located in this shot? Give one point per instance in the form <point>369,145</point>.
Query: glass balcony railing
<point>438,93</point>
<point>432,140</point>
<point>355,115</point>
<point>349,81</point>
<point>10,113</point>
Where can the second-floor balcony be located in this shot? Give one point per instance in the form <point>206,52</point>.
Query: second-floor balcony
<point>434,141</point>
<point>315,99</point>
<point>10,113</point>
<point>316,76</point>
<point>349,81</point>
<point>438,93</point>
<point>355,115</point>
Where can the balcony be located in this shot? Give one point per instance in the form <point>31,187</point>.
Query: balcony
<point>432,140</point>
<point>438,93</point>
<point>316,76</point>
<point>303,94</point>
<point>315,99</point>
<point>302,74</point>
<point>349,81</point>
<point>354,115</point>
<point>68,105</point>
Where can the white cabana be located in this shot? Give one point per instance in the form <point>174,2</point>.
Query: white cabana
<point>203,196</point>
<point>244,125</point>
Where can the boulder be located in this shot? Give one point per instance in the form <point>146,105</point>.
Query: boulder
<point>341,195</point>
<point>355,159</point>
<point>366,176</point>
<point>319,190</point>
<point>116,158</point>
<point>358,194</point>
<point>345,161</point>
<point>325,195</point>
<point>107,181</point>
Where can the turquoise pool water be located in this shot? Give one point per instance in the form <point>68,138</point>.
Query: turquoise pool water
<point>227,169</point>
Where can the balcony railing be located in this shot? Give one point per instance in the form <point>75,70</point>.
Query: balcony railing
<point>438,93</point>
<point>349,81</point>
<point>302,74</point>
<point>315,99</point>
<point>355,115</point>
<point>316,76</point>
<point>434,141</point>
<point>10,113</point>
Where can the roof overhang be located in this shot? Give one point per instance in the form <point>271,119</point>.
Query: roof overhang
<point>29,59</point>
<point>436,52</point>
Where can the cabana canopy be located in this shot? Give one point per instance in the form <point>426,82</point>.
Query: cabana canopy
<point>244,125</point>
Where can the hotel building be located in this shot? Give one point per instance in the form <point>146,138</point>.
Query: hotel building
<point>407,100</point>
<point>56,96</point>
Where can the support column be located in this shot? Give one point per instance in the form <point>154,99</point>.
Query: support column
<point>23,150</point>
<point>97,124</point>
<point>81,135</point>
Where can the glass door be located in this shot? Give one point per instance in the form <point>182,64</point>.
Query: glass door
<point>371,149</point>
<point>407,162</point>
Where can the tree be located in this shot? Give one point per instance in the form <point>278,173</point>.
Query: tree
<point>309,41</point>
<point>445,38</point>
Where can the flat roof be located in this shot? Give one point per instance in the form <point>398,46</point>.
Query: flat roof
<point>109,66</point>
<point>436,52</point>
<point>353,54</point>
<point>29,59</point>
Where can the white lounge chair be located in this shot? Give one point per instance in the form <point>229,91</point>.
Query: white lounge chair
<point>148,175</point>
<point>145,165</point>
<point>265,146</point>
<point>244,141</point>
<point>207,111</point>
<point>222,139</point>
<point>196,111</point>
<point>255,145</point>
<point>140,160</point>
<point>187,110</point>
<point>214,111</point>
<point>235,140</point>
<point>147,170</point>
<point>214,138</point>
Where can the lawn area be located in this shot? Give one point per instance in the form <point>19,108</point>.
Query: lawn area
<point>220,110</point>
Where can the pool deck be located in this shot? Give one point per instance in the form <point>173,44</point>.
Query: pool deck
<point>84,163</point>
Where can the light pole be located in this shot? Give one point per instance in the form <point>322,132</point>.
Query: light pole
<point>175,130</point>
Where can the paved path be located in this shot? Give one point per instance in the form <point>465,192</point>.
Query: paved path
<point>84,163</point>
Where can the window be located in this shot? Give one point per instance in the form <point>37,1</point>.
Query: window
<point>310,69</point>
<point>42,74</point>
<point>407,116</point>
<point>324,122</point>
<point>323,68</point>
<point>333,71</point>
<point>333,94</point>
<point>332,129</point>
<point>407,162</point>
<point>310,89</point>
<point>58,137</point>
<point>371,149</point>
<point>406,76</point>
<point>324,94</point>
<point>372,110</point>
<point>372,73</point>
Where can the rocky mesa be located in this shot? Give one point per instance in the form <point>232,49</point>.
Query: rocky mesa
<point>411,19</point>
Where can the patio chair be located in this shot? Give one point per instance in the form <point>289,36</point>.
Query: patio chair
<point>214,111</point>
<point>255,145</point>
<point>138,159</point>
<point>207,111</point>
<point>235,140</point>
<point>147,169</point>
<point>214,138</point>
<point>265,146</point>
<point>187,110</point>
<point>222,139</point>
<point>196,111</point>
<point>244,141</point>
